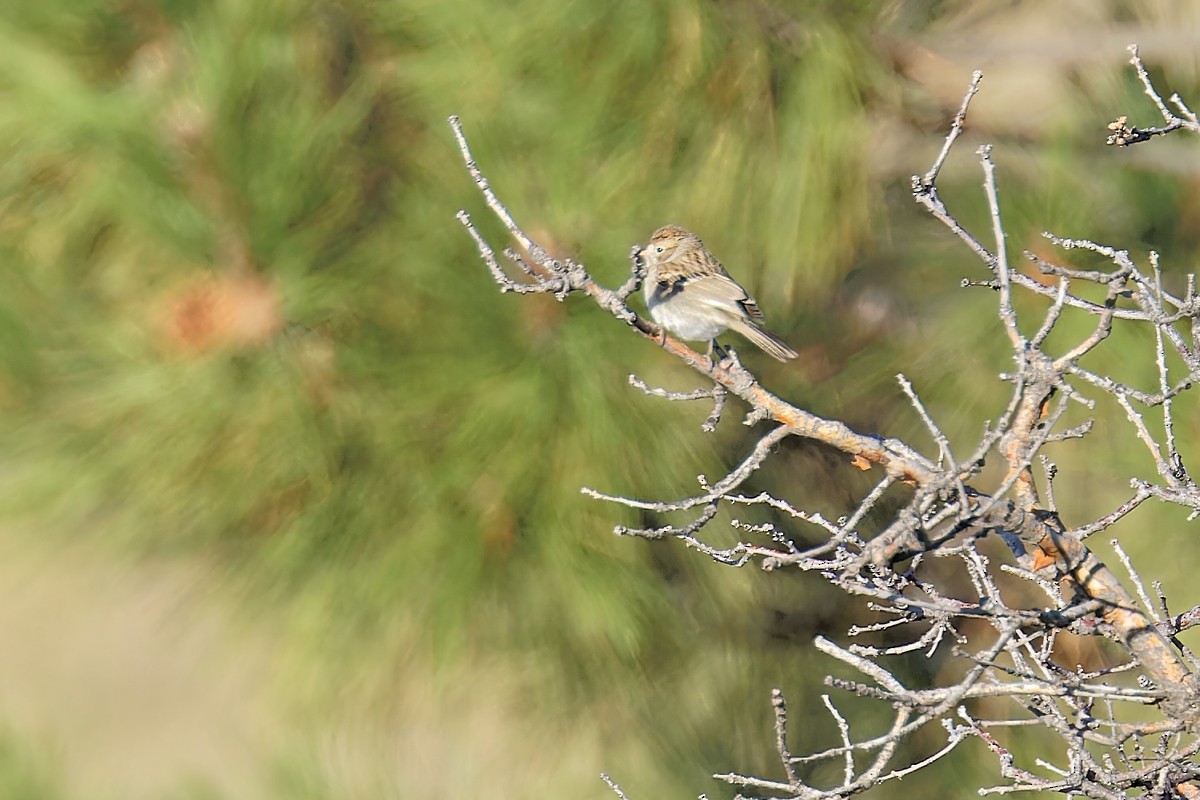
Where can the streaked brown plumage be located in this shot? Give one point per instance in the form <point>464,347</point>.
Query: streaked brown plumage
<point>690,294</point>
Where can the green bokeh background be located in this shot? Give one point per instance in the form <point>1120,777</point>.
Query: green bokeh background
<point>350,559</point>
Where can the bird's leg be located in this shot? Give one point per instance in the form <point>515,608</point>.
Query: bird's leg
<point>715,349</point>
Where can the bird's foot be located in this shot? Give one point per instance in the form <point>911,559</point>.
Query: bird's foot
<point>716,354</point>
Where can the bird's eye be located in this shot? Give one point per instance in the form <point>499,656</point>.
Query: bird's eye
<point>658,249</point>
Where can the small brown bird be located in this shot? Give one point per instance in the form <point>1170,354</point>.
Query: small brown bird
<point>690,293</point>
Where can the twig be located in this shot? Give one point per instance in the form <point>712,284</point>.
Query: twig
<point>781,744</point>
<point>616,789</point>
<point>844,731</point>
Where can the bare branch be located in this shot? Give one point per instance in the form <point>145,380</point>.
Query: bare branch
<point>1124,134</point>
<point>616,789</point>
<point>898,554</point>
<point>956,129</point>
<point>781,745</point>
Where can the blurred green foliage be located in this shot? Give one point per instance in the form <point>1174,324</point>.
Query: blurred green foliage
<point>24,773</point>
<point>239,325</point>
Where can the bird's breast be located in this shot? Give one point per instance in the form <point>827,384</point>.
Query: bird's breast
<point>686,316</point>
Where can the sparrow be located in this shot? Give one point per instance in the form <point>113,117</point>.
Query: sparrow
<point>689,293</point>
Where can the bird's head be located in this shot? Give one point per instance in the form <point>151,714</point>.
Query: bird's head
<point>668,243</point>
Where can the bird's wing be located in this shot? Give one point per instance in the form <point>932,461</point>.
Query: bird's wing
<point>722,291</point>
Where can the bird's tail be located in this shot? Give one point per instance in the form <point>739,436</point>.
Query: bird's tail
<point>766,341</point>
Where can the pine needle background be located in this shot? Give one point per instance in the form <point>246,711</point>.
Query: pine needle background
<point>290,493</point>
